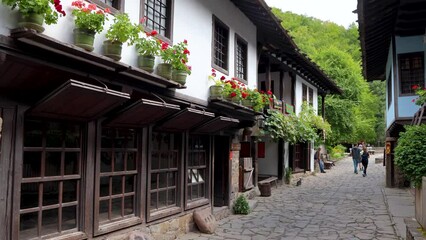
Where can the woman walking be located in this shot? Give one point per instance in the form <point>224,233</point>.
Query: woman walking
<point>364,160</point>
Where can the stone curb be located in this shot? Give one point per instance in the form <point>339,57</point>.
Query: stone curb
<point>390,215</point>
<point>413,227</point>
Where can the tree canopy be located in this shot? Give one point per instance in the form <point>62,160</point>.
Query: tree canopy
<point>353,116</point>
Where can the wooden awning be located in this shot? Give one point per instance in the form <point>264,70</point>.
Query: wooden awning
<point>79,101</point>
<point>216,125</point>
<point>141,113</point>
<point>185,119</point>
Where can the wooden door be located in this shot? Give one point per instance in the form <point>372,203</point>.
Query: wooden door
<point>298,157</point>
<point>221,179</point>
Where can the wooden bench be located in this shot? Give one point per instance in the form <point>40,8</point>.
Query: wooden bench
<point>270,180</point>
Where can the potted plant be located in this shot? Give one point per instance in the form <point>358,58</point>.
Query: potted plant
<point>245,100</point>
<point>216,89</point>
<point>421,92</point>
<point>258,99</point>
<point>164,69</point>
<point>179,61</point>
<point>120,32</point>
<point>232,90</point>
<point>147,48</point>
<point>88,21</point>
<point>34,12</point>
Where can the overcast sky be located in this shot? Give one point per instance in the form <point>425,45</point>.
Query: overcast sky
<point>338,11</point>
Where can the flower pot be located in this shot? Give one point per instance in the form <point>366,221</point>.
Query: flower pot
<point>164,70</point>
<point>32,21</point>
<point>179,76</point>
<point>146,62</point>
<point>84,38</point>
<point>216,91</point>
<point>113,50</point>
<point>233,99</point>
<point>246,103</point>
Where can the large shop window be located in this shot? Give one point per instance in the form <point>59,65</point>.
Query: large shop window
<point>51,179</point>
<point>220,45</point>
<point>164,172</point>
<point>411,70</point>
<point>158,16</point>
<point>197,169</point>
<point>117,176</point>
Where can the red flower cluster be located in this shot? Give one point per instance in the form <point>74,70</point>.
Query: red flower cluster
<point>58,7</point>
<point>153,33</point>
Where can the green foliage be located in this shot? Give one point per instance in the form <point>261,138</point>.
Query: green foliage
<point>337,152</point>
<point>241,205</point>
<point>421,92</point>
<point>148,46</point>
<point>89,17</point>
<point>358,113</point>
<point>410,153</point>
<point>43,7</point>
<point>278,126</point>
<point>288,173</point>
<point>180,57</point>
<point>123,30</point>
<point>258,100</point>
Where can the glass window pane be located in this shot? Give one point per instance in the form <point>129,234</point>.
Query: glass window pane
<point>72,160</point>
<point>202,189</point>
<point>172,179</point>
<point>69,191</point>
<point>154,160</point>
<point>131,161</point>
<point>53,164</point>
<point>171,197</point>
<point>106,162</point>
<point>194,192</point>
<point>103,210</point>
<point>174,160</point>
<point>32,165</point>
<point>72,136</point>
<point>33,134</point>
<point>153,200</point>
<point>50,223</point>
<point>164,160</point>
<point>119,161</point>
<point>106,140</point>
<point>128,205</point>
<point>130,184</point>
<point>29,195</point>
<point>116,208</point>
<point>162,199</point>
<point>163,180</point>
<point>154,181</point>
<point>104,188</point>
<point>188,192</point>
<point>54,135</point>
<point>28,225</point>
<point>50,193</point>
<point>131,139</point>
<point>117,187</point>
<point>69,218</point>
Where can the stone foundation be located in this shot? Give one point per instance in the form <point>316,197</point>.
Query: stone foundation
<point>414,230</point>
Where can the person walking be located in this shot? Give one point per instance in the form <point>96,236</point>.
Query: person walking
<point>317,157</point>
<point>364,159</point>
<point>356,157</point>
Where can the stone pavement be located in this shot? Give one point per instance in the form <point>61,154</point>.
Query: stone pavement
<point>334,205</point>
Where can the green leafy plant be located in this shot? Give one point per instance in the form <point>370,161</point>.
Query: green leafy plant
<point>123,30</point>
<point>43,7</point>
<point>232,89</point>
<point>241,205</point>
<point>89,17</point>
<point>410,153</point>
<point>259,100</point>
<point>288,174</point>
<point>149,46</point>
<point>180,55</point>
<point>279,126</point>
<point>421,92</point>
<point>217,81</point>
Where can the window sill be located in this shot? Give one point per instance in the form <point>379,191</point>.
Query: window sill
<point>197,203</point>
<point>119,224</point>
<point>222,70</point>
<point>164,213</point>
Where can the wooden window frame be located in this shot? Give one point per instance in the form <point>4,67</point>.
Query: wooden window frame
<point>124,221</point>
<point>239,40</point>
<point>168,210</point>
<point>114,10</point>
<point>421,82</point>
<point>189,204</point>
<point>311,96</point>
<point>217,21</point>
<point>168,37</point>
<point>74,233</point>
<point>304,92</point>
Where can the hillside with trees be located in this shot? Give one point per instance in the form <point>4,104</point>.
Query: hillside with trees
<point>358,114</point>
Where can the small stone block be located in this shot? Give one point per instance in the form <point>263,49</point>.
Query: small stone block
<point>205,221</point>
<point>138,236</point>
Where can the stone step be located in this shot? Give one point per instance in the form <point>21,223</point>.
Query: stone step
<point>252,204</point>
<point>221,212</point>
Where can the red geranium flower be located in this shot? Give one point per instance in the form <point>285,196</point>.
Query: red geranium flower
<point>186,51</point>
<point>269,92</point>
<point>92,6</point>
<point>414,87</point>
<point>222,78</point>
<point>233,94</point>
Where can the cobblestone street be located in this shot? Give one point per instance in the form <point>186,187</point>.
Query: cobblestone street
<point>334,205</point>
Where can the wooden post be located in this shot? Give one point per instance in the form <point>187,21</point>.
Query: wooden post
<point>281,85</point>
<point>268,74</point>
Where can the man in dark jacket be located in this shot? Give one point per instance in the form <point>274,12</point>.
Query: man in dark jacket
<point>356,157</point>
